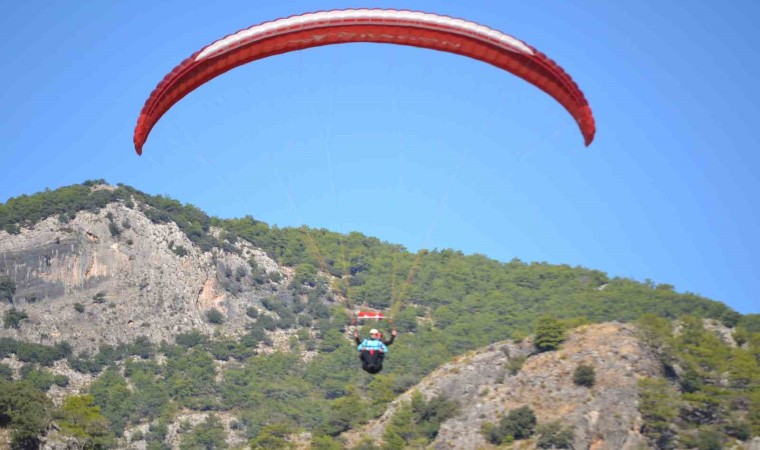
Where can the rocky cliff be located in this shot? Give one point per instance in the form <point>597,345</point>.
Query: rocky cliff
<point>602,417</point>
<point>111,276</point>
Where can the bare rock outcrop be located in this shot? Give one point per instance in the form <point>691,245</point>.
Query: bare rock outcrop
<point>131,277</point>
<point>604,416</point>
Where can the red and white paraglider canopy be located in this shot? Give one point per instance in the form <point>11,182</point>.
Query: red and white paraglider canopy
<point>386,26</point>
<point>364,315</point>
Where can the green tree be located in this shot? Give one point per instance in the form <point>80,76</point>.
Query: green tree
<point>406,320</point>
<point>156,435</point>
<point>190,378</point>
<point>417,422</point>
<point>331,341</point>
<point>150,394</point>
<point>7,289</point>
<point>750,322</point>
<point>305,275</point>
<point>549,333</point>
<point>515,364</point>
<point>26,411</point>
<point>744,372</point>
<point>6,372</point>
<point>584,375</point>
<point>114,230</point>
<point>8,346</point>
<point>709,440</point>
<point>114,398</point>
<point>273,436</point>
<point>430,414</point>
<point>252,312</point>
<point>208,435</point>
<point>42,379</point>
<point>380,390</point>
<point>190,339</point>
<point>99,298</point>
<point>401,431</point>
<point>325,443</point>
<point>739,430</point>
<point>554,435</point>
<point>42,354</point>
<point>754,413</point>
<point>80,417</point>
<point>654,331</point>
<point>519,423</point>
<point>214,316</point>
<point>13,317</point>
<point>344,412</point>
<point>658,404</point>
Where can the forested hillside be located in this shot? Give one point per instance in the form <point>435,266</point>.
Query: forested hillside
<point>216,386</point>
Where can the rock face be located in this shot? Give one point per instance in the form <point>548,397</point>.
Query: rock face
<point>604,416</point>
<point>133,278</point>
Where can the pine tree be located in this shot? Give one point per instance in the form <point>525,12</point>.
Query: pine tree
<point>549,333</point>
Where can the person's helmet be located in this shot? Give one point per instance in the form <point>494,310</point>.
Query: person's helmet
<point>373,331</point>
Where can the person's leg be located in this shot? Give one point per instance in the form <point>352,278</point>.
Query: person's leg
<point>368,361</point>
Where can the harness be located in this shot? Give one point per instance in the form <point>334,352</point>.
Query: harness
<point>372,346</point>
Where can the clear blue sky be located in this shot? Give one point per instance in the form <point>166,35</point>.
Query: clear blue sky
<point>416,147</point>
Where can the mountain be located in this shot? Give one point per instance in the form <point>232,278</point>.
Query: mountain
<point>134,321</point>
<point>132,277</point>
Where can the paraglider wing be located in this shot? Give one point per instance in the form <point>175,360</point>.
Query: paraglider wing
<point>370,315</point>
<point>411,28</point>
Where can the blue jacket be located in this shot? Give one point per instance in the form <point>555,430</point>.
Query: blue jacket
<point>372,344</point>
